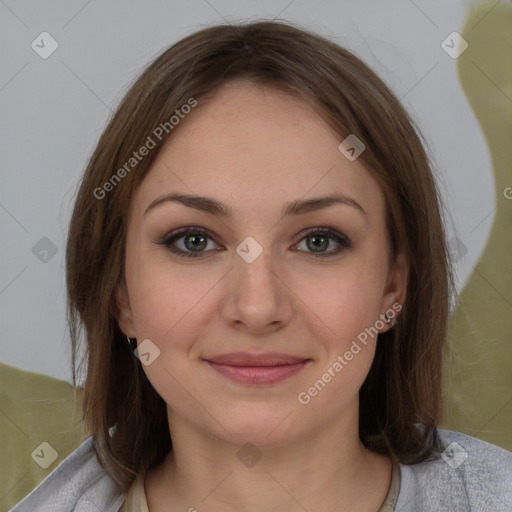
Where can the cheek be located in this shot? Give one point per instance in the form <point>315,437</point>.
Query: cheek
<point>168,308</point>
<point>159,303</point>
<point>342,319</point>
<point>168,302</point>
<point>345,300</point>
<point>343,308</point>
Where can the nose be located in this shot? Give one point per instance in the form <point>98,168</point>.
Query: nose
<point>257,298</point>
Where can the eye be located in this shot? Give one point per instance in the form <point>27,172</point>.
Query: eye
<point>194,242</point>
<point>320,239</point>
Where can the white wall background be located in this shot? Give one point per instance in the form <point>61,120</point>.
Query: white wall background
<point>53,111</point>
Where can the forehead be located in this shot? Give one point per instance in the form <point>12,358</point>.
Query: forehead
<point>257,147</point>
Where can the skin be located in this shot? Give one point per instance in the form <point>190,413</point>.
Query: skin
<point>255,149</point>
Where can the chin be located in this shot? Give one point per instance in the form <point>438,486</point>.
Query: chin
<point>261,425</point>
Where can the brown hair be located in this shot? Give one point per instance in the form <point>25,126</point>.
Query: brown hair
<point>401,396</point>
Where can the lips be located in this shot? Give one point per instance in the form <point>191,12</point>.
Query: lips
<point>246,359</point>
<point>248,368</point>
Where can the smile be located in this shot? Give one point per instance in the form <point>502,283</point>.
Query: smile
<point>257,369</point>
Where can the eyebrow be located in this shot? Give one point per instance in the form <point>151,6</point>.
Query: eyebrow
<point>214,207</point>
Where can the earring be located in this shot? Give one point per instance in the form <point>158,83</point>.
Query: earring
<point>390,320</point>
<point>132,342</point>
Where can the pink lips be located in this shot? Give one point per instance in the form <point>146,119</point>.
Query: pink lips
<point>266,368</point>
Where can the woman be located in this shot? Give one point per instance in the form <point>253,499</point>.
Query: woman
<point>257,256</point>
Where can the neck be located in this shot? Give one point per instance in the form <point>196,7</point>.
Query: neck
<point>330,470</point>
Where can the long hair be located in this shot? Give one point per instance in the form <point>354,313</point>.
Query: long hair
<point>403,387</point>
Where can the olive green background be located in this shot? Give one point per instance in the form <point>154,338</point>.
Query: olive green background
<point>478,375</point>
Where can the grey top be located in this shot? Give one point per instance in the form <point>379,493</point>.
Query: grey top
<point>471,476</point>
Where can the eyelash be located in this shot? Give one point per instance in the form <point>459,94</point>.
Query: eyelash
<point>177,234</point>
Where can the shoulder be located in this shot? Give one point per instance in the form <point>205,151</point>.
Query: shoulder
<point>78,483</point>
<point>470,474</point>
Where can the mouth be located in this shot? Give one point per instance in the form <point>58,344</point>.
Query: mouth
<point>257,369</point>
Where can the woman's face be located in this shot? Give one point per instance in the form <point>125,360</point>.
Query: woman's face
<point>260,286</point>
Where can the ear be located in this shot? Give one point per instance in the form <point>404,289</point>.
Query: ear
<point>396,289</point>
<point>123,311</point>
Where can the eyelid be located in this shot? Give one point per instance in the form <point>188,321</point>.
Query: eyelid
<point>325,229</point>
